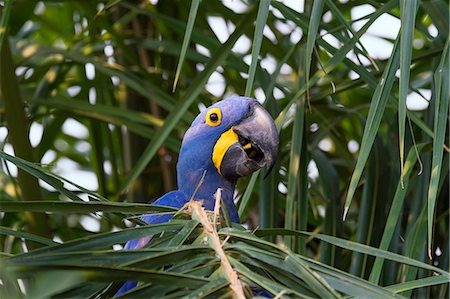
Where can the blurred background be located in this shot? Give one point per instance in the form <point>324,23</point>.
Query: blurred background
<point>95,90</point>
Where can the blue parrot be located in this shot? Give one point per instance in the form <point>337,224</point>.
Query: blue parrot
<point>230,139</point>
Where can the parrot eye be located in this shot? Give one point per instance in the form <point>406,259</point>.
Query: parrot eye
<point>214,117</point>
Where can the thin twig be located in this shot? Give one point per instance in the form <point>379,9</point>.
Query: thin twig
<point>198,185</point>
<point>217,207</point>
<point>280,294</point>
<point>415,147</point>
<point>446,148</point>
<point>333,86</point>
<point>226,240</point>
<point>199,214</point>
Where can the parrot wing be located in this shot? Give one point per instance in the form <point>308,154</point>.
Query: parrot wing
<point>176,199</point>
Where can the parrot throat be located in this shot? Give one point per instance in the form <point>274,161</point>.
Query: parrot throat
<point>192,184</point>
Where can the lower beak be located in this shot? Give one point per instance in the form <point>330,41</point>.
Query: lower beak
<point>248,146</point>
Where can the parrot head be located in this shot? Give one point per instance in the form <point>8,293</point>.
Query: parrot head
<point>230,139</point>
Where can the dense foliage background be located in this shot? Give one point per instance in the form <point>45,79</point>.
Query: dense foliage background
<point>105,90</point>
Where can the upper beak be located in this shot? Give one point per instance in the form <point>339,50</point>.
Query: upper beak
<point>257,145</point>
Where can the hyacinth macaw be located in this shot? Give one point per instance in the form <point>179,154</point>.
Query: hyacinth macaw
<point>231,139</point>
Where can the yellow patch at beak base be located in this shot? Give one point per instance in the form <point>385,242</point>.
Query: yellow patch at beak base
<point>222,145</point>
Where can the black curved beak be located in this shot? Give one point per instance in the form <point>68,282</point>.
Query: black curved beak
<point>257,145</point>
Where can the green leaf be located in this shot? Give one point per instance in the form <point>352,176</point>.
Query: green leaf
<point>186,39</point>
<point>377,252</point>
<point>419,283</point>
<point>104,273</point>
<point>81,207</point>
<point>441,78</point>
<point>101,111</point>
<point>152,258</point>
<point>26,236</point>
<point>184,233</point>
<point>288,261</point>
<point>408,15</point>
<point>314,22</point>
<point>267,284</point>
<point>394,211</point>
<point>347,283</point>
<point>6,12</point>
<point>294,167</point>
<point>243,203</point>
<point>41,174</point>
<point>347,245</point>
<point>104,240</point>
<point>208,290</point>
<point>378,103</point>
<point>261,18</point>
<point>328,177</point>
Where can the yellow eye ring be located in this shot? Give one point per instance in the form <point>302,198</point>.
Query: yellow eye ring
<point>214,117</point>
